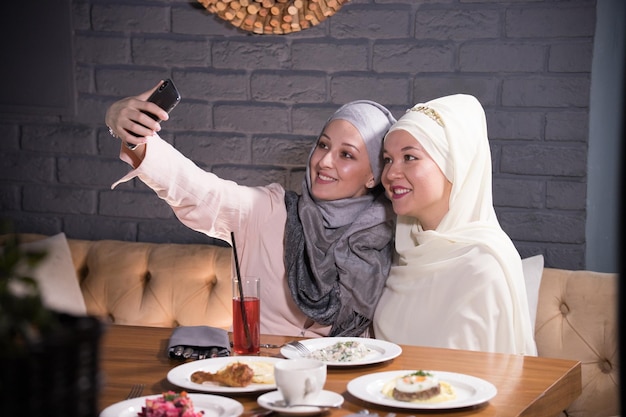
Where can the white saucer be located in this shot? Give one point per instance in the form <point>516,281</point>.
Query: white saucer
<point>325,397</point>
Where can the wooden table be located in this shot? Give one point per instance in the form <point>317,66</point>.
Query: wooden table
<point>527,386</point>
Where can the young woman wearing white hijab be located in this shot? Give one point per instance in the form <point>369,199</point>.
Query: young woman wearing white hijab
<point>457,280</point>
<point>322,256</point>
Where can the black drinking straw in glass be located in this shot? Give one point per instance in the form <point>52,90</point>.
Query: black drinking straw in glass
<point>244,317</point>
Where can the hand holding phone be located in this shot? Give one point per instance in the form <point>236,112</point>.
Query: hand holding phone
<point>166,96</point>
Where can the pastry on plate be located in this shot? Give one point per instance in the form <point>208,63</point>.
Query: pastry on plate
<point>419,386</point>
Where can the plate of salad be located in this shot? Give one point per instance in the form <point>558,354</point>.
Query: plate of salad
<point>346,351</point>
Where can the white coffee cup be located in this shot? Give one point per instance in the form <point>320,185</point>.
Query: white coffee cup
<point>300,380</point>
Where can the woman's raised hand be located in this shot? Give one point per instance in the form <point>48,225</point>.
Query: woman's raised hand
<point>127,115</point>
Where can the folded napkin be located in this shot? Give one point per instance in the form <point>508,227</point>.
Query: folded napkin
<point>198,342</point>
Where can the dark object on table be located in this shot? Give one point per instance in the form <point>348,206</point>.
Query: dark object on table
<point>198,342</point>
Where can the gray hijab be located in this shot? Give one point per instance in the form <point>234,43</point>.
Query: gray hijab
<point>371,120</point>
<point>338,253</point>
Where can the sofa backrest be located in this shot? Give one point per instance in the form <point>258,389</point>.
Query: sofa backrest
<point>150,284</point>
<point>577,319</point>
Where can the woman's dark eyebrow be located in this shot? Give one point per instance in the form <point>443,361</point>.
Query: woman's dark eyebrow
<point>344,143</point>
<point>325,135</point>
<point>351,146</point>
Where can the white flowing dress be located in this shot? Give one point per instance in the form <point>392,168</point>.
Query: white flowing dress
<point>460,286</point>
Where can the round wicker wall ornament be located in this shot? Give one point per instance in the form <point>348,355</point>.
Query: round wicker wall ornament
<point>273,17</point>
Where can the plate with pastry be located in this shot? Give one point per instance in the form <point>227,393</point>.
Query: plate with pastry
<point>232,374</point>
<point>346,351</point>
<point>422,389</point>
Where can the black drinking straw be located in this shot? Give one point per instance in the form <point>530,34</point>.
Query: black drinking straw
<point>241,297</point>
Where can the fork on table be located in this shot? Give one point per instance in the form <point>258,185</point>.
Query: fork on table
<point>301,348</point>
<point>135,391</point>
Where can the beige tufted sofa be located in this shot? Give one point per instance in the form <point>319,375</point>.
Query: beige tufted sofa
<point>167,285</point>
<point>161,285</point>
<point>577,319</point>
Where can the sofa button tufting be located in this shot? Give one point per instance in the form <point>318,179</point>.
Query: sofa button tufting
<point>83,272</point>
<point>564,309</point>
<point>605,366</point>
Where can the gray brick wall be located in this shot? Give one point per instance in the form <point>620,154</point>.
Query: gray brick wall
<point>252,105</point>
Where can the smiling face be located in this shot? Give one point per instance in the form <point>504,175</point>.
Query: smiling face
<point>339,166</point>
<point>413,181</point>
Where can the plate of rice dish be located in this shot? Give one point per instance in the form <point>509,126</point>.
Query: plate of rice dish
<point>422,389</point>
<point>175,404</point>
<point>346,351</point>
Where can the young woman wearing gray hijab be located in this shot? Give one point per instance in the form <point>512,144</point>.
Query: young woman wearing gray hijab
<point>323,255</point>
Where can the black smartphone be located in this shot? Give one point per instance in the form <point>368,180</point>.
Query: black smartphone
<point>166,96</point>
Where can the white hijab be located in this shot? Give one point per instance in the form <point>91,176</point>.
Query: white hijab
<point>453,130</point>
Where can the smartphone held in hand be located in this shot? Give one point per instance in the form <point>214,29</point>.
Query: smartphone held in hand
<point>166,96</point>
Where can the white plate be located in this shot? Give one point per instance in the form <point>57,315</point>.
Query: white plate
<point>212,405</point>
<point>469,390</point>
<point>381,350</point>
<point>181,375</point>
<point>325,397</point>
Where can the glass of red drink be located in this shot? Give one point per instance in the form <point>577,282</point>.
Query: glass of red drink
<point>247,316</point>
